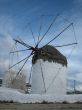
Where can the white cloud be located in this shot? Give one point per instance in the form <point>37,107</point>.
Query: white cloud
<point>78,2</point>
<point>79,87</point>
<point>6,24</point>
<point>79,77</point>
<point>6,42</point>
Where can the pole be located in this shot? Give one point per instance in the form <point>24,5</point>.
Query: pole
<point>74,86</point>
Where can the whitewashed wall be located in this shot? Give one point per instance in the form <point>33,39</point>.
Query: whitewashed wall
<point>54,77</point>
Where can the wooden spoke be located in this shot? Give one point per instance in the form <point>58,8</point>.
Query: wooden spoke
<point>19,62</point>
<point>23,64</point>
<point>19,50</point>
<point>66,44</point>
<point>21,42</point>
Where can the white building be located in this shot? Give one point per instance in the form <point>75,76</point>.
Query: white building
<point>49,72</point>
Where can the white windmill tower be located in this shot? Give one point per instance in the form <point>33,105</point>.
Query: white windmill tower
<point>49,66</point>
<point>49,71</point>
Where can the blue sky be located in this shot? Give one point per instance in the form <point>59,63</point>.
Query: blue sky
<point>15,14</point>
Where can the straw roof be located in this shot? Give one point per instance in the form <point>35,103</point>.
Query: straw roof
<point>51,54</point>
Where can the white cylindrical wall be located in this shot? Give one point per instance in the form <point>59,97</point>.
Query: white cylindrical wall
<point>54,78</point>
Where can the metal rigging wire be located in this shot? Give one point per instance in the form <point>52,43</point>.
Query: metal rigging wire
<point>71,52</point>
<point>75,45</point>
<point>13,48</point>
<point>32,34</point>
<point>40,28</point>
<point>74,32</point>
<point>18,62</point>
<point>27,26</point>
<point>23,64</point>
<point>22,67</point>
<point>72,28</point>
<point>54,78</point>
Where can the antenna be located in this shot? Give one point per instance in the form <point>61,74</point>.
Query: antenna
<point>74,86</point>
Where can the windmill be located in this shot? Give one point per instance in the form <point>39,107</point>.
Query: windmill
<point>43,53</point>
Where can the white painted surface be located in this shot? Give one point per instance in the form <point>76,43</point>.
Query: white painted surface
<point>54,78</point>
<point>8,94</point>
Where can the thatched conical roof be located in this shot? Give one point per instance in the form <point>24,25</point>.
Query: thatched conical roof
<point>51,54</point>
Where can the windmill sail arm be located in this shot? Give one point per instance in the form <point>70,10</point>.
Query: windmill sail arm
<point>67,44</point>
<point>19,51</point>
<point>21,42</point>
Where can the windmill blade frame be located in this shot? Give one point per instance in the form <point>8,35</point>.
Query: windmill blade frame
<point>60,33</point>
<point>36,50</point>
<point>48,29</point>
